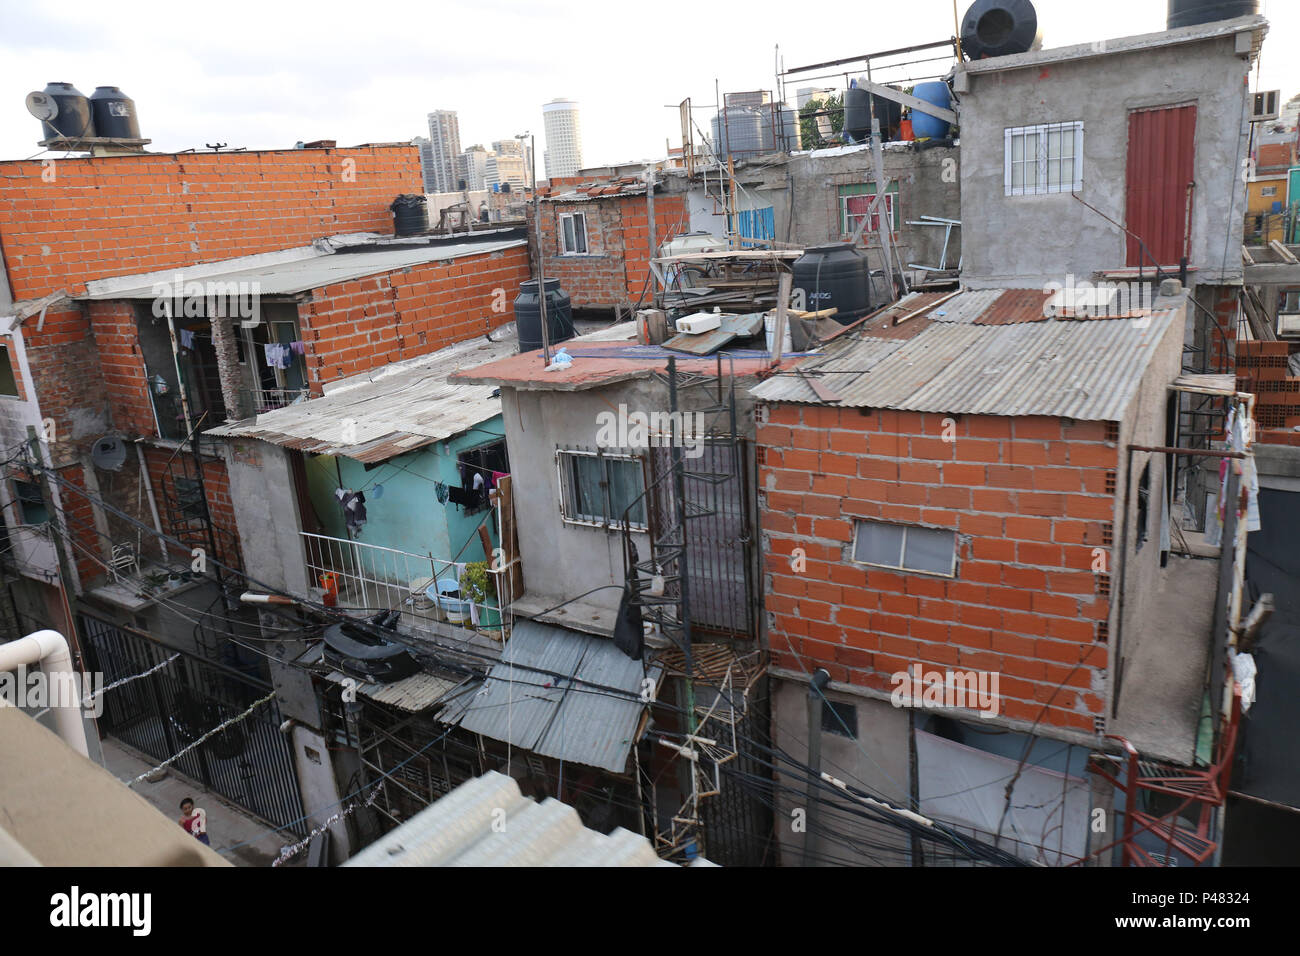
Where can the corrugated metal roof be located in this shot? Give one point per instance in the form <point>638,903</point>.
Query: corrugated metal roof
<point>396,410</point>
<point>1076,369</point>
<point>488,822</point>
<point>414,694</point>
<point>580,719</point>
<point>324,268</point>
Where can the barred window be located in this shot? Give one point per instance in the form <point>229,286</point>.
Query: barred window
<point>600,489</point>
<point>1043,159</point>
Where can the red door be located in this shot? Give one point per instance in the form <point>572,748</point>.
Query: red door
<point>1161,160</point>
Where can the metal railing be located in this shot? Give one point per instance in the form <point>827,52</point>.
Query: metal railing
<point>372,577</point>
<point>266,399</point>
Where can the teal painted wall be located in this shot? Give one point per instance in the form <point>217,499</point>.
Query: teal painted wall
<point>406,514</point>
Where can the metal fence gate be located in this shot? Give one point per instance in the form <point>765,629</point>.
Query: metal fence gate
<point>250,763</point>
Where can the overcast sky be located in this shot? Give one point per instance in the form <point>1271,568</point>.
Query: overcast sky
<point>267,73</point>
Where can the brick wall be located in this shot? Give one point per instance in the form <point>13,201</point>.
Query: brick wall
<point>357,326</point>
<point>1262,370</point>
<point>101,217</point>
<point>121,215</point>
<point>1030,500</point>
<point>616,269</point>
<point>216,485</point>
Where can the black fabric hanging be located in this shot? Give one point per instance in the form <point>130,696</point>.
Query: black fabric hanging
<point>629,628</point>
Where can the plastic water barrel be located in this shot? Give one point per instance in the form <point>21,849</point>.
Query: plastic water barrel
<point>925,126</point>
<point>834,276</point>
<point>528,315</point>
<point>114,113</point>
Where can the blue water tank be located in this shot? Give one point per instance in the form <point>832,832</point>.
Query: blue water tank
<point>925,126</point>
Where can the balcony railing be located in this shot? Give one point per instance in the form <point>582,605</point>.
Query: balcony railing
<point>374,578</point>
<point>266,399</point>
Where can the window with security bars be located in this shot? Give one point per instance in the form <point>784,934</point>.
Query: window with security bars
<point>601,490</point>
<point>1043,159</point>
<point>905,547</point>
<point>573,234</point>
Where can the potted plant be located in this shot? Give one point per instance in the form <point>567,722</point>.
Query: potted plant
<point>478,586</point>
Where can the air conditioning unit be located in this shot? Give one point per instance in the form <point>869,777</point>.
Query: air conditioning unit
<point>1288,324</point>
<point>1264,106</point>
<point>699,323</point>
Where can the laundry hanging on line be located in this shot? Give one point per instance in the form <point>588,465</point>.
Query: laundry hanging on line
<point>354,507</point>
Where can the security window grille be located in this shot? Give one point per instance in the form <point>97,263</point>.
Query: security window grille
<point>598,489</point>
<point>1043,159</point>
<point>905,547</point>
<point>840,719</point>
<point>31,503</point>
<point>573,234</point>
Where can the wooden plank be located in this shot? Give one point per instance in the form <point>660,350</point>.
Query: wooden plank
<point>1282,251</point>
<point>782,306</point>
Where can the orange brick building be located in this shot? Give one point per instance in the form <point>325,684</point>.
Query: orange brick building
<point>597,240</point>
<point>966,495</point>
<point>85,243</point>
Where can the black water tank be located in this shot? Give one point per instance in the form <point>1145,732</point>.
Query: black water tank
<point>114,113</point>
<point>410,215</point>
<point>857,116</point>
<point>528,315</point>
<point>998,28</point>
<point>74,117</point>
<point>834,276</point>
<point>1186,13</point>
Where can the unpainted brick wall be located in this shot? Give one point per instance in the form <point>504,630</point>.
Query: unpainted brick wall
<point>120,215</point>
<point>1031,500</point>
<point>364,324</point>
<point>616,269</point>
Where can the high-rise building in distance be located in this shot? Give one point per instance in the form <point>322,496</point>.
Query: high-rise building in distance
<point>472,165</point>
<point>426,162</point>
<point>444,140</point>
<point>563,138</point>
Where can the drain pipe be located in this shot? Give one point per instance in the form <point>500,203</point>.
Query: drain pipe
<point>50,650</point>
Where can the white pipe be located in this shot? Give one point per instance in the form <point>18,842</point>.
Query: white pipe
<point>50,650</point>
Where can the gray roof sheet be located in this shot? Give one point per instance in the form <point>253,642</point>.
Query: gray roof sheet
<point>393,411</point>
<point>579,720</point>
<point>299,275</point>
<point>1086,369</point>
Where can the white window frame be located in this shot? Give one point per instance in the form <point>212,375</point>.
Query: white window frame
<point>1040,163</point>
<point>852,219</point>
<point>568,508</point>
<point>565,249</point>
<point>860,523</point>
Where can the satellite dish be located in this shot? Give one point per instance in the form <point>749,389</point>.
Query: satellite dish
<point>109,453</point>
<point>43,106</point>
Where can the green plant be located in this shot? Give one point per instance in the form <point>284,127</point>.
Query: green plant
<point>832,107</point>
<point>476,584</point>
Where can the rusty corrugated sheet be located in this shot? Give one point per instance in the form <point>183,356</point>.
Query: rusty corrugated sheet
<point>1083,370</point>
<point>1161,163</point>
<point>1014,306</point>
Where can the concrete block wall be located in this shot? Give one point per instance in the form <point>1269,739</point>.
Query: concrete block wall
<point>1030,499</point>
<point>364,324</point>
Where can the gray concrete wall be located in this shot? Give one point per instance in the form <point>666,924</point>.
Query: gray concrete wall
<point>928,184</point>
<point>320,793</point>
<point>560,559</point>
<point>266,512</point>
<point>1027,241</point>
<point>877,760</point>
<point>1137,571</point>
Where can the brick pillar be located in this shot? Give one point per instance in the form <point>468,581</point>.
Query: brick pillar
<point>225,343</point>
